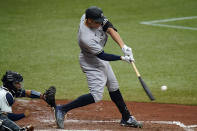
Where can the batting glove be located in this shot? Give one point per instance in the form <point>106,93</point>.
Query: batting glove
<point>128,59</point>
<point>127,51</point>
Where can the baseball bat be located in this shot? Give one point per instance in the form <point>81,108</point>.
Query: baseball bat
<point>145,87</point>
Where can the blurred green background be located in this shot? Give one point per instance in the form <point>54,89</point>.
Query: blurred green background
<point>39,40</point>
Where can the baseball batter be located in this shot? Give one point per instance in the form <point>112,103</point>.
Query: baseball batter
<point>12,87</point>
<point>92,37</point>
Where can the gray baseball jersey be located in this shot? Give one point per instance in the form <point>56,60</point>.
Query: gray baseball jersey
<point>98,72</point>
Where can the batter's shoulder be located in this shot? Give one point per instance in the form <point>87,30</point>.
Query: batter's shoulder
<point>107,24</point>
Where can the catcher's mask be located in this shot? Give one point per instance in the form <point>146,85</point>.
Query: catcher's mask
<point>13,81</point>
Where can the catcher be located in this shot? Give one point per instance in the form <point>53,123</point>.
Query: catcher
<point>12,87</point>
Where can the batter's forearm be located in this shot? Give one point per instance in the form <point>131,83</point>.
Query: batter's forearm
<point>116,37</point>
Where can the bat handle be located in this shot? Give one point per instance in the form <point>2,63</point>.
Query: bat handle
<point>135,68</point>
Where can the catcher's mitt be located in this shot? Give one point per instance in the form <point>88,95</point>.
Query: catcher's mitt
<point>49,96</point>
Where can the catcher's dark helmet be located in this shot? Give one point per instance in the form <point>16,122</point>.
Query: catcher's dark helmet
<point>9,79</point>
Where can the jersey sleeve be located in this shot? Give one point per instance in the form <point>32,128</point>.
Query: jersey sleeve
<point>107,24</point>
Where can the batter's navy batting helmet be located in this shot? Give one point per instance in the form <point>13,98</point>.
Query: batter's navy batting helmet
<point>95,13</point>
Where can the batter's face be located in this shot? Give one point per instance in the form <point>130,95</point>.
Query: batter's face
<point>92,24</point>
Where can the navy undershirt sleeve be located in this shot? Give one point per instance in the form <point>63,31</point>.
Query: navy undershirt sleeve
<point>15,117</point>
<point>108,57</point>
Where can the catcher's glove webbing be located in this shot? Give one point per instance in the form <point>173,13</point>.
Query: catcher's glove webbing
<point>49,96</point>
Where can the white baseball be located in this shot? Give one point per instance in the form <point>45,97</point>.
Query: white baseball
<point>164,88</point>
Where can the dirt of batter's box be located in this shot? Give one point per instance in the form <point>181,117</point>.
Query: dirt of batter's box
<point>105,116</point>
